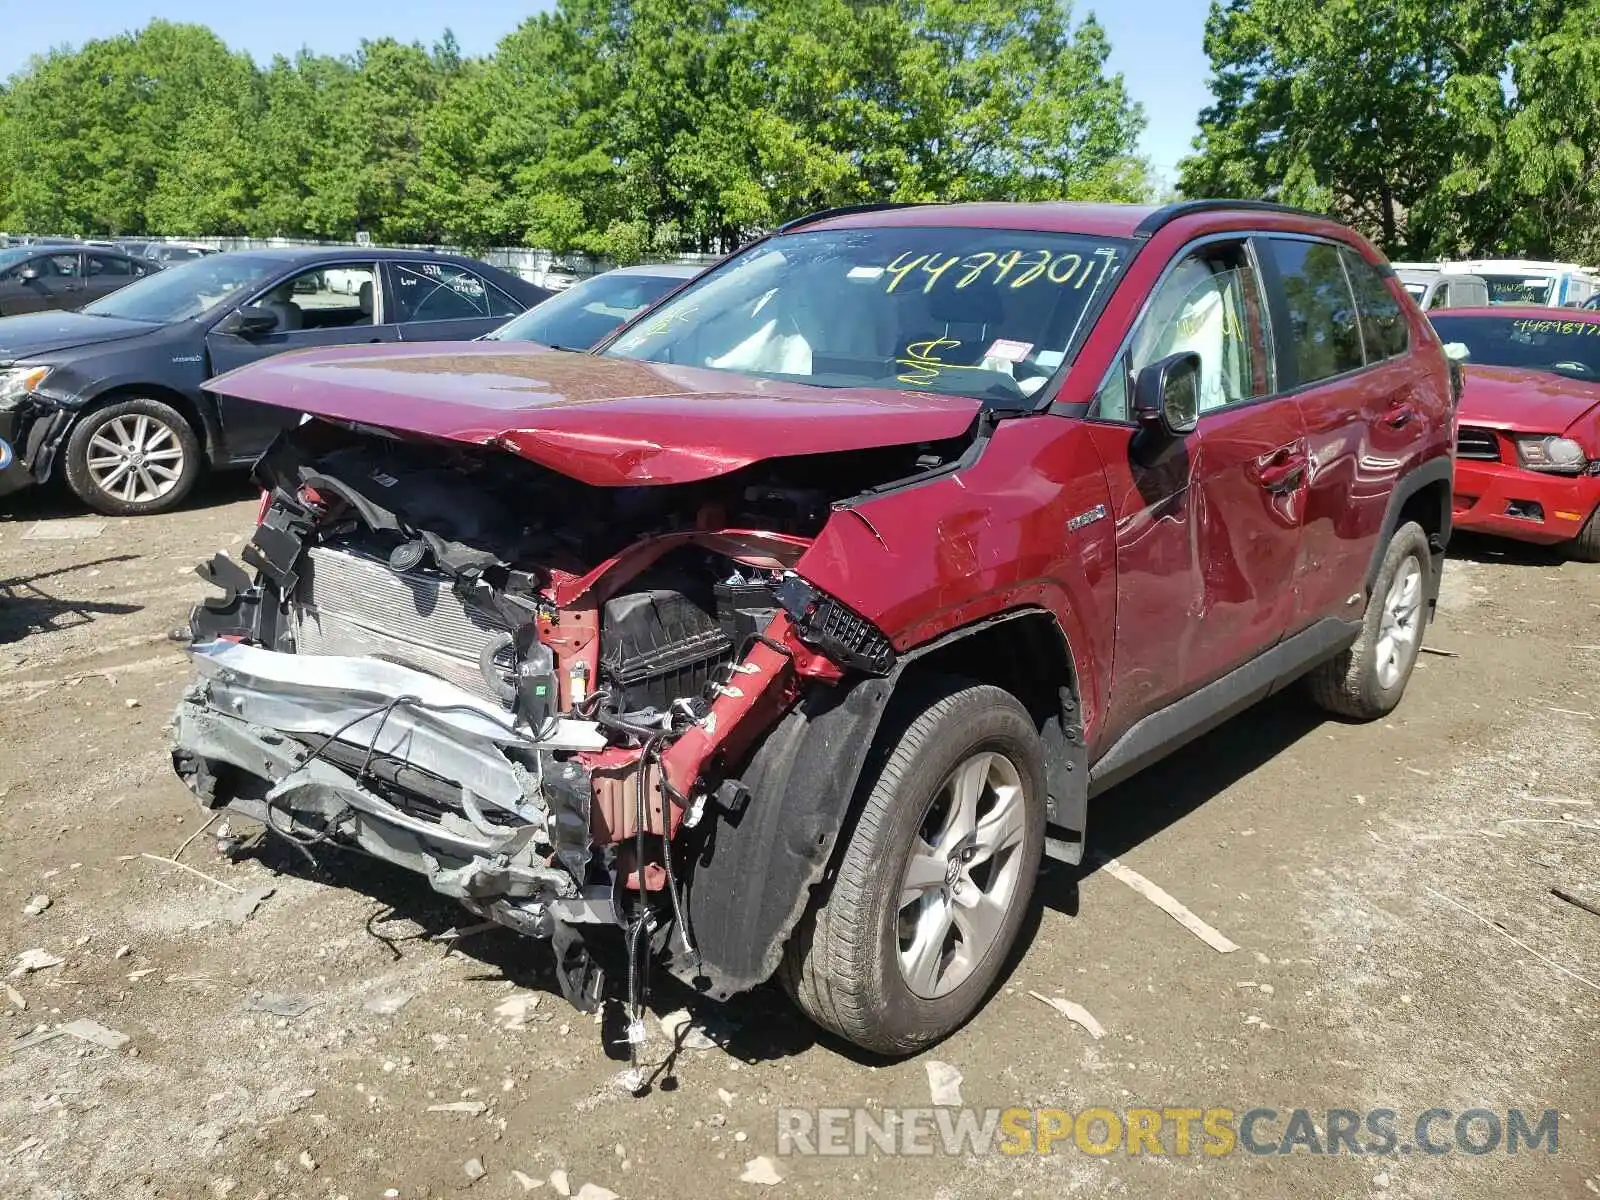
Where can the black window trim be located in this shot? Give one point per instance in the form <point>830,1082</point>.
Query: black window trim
<point>488,285</point>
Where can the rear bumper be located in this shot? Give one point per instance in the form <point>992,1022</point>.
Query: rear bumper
<point>1529,506</point>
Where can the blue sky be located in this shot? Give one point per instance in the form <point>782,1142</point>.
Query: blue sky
<point>1155,43</point>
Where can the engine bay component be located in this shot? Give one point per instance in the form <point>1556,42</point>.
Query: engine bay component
<point>530,713</point>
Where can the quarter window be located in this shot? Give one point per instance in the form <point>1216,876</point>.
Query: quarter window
<point>1324,331</point>
<point>1384,331</point>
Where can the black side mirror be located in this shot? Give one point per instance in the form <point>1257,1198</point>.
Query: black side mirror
<point>29,274</point>
<point>249,321</point>
<point>1166,395</point>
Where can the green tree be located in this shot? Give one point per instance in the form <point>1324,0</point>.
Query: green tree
<point>1389,114</point>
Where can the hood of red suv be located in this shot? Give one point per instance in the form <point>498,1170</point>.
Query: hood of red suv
<point>1529,401</point>
<point>603,421</point>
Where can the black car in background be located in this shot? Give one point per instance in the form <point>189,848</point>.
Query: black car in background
<point>42,277</point>
<point>586,313</point>
<point>111,397</point>
<point>166,254</point>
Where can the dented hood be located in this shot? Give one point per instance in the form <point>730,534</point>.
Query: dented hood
<point>1532,401</point>
<point>603,421</point>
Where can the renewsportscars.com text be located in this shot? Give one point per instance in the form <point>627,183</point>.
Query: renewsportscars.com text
<point>1169,1131</point>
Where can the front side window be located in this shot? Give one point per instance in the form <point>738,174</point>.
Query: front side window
<point>324,298</point>
<point>1562,346</point>
<point>57,266</point>
<point>183,292</point>
<point>1384,331</point>
<point>1209,305</point>
<point>429,291</point>
<point>986,313</point>
<point>1324,334</point>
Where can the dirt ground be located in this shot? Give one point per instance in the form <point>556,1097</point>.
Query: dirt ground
<point>1329,852</point>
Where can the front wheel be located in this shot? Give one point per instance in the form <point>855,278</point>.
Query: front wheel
<point>934,882</point>
<point>1586,546</point>
<point>133,457</point>
<point>1367,680</point>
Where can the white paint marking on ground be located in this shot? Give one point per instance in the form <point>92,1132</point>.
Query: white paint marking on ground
<point>28,688</point>
<point>1170,905</point>
<point>63,531</point>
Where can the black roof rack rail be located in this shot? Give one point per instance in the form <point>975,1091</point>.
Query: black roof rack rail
<point>1169,213</point>
<point>845,211</point>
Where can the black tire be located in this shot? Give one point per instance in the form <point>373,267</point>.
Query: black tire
<point>1586,546</point>
<point>842,965</point>
<point>1353,683</point>
<point>144,487</point>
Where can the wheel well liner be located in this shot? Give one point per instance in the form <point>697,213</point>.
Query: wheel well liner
<point>754,871</point>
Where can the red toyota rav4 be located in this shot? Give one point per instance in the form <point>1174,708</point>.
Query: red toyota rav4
<point>773,636</point>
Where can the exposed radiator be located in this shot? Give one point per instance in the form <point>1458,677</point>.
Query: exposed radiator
<point>351,604</point>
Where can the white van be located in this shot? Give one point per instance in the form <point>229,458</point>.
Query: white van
<point>1526,281</point>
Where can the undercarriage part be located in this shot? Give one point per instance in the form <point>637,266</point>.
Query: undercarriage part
<point>578,975</point>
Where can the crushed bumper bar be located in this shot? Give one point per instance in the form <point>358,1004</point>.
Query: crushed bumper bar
<point>249,736</point>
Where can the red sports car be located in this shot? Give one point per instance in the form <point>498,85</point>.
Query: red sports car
<point>1528,450</point>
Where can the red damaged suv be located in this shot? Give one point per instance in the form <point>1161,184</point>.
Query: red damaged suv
<point>1529,445</point>
<point>773,636</point>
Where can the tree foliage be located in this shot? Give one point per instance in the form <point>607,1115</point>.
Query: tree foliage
<point>622,127</point>
<point>1438,129</point>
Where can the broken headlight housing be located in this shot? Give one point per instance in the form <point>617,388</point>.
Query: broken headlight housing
<point>19,382</point>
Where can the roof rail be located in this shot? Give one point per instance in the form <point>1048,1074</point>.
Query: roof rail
<point>843,211</point>
<point>1169,213</point>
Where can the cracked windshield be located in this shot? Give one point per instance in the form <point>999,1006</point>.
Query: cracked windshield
<point>986,313</point>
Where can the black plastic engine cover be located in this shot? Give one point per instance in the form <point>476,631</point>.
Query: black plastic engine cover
<point>660,643</point>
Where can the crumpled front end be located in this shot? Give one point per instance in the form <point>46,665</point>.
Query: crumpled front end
<point>527,690</point>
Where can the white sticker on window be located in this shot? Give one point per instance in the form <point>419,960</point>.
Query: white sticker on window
<point>864,273</point>
<point>1050,359</point>
<point>1008,351</point>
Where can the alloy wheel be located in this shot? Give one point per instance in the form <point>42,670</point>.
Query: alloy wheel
<point>135,458</point>
<point>963,874</point>
<point>1399,623</point>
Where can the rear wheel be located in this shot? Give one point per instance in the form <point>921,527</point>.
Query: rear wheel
<point>133,457</point>
<point>934,881</point>
<point>1367,680</point>
<point>1586,546</point>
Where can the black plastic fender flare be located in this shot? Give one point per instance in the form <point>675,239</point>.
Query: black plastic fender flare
<point>753,875</point>
<point>1434,470</point>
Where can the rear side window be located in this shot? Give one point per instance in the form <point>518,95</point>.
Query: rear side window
<point>109,264</point>
<point>445,292</point>
<point>1324,334</point>
<point>1383,322</point>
